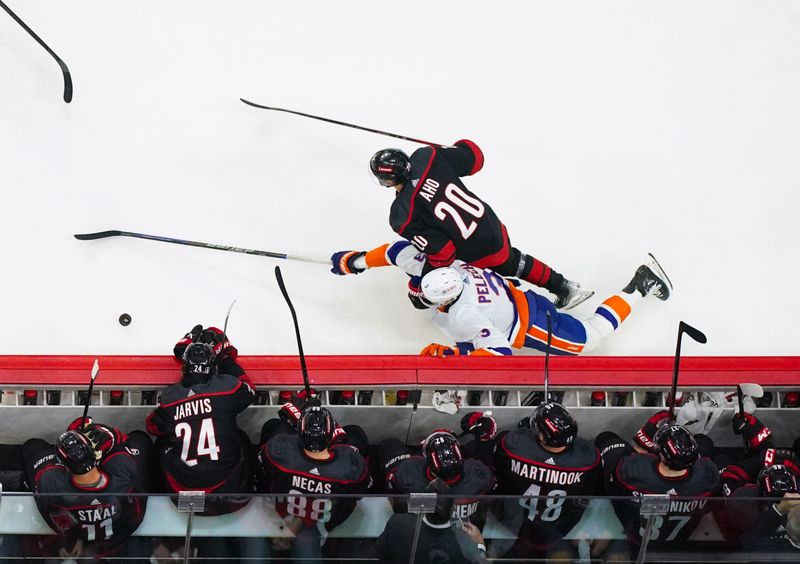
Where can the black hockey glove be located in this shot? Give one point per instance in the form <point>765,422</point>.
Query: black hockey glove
<point>188,339</point>
<point>219,340</point>
<point>482,426</point>
<point>753,431</point>
<point>644,436</point>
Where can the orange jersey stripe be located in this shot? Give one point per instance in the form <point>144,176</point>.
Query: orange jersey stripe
<point>540,335</point>
<point>377,257</point>
<point>618,306</point>
<point>523,315</point>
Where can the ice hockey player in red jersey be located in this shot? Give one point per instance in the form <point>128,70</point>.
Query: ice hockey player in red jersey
<point>664,459</point>
<point>541,462</point>
<point>435,211</point>
<point>199,442</point>
<point>91,459</point>
<point>753,524</point>
<point>304,469</point>
<point>466,478</point>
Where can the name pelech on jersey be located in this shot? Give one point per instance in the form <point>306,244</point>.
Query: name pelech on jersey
<point>413,476</point>
<point>439,215</point>
<point>200,425</point>
<point>637,474</point>
<point>108,517</point>
<point>544,480</point>
<point>304,482</point>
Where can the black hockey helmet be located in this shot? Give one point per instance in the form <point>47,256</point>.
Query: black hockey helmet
<point>443,455</point>
<point>316,428</point>
<point>776,480</point>
<point>75,451</point>
<point>556,426</point>
<point>676,447</point>
<point>390,167</point>
<point>199,363</point>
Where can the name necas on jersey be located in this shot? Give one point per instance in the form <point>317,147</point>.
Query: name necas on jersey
<point>200,424</point>
<point>440,216</point>
<point>543,480</point>
<point>109,517</point>
<point>413,476</point>
<point>303,480</point>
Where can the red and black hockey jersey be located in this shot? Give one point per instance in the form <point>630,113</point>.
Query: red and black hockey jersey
<point>543,480</point>
<point>630,474</point>
<point>200,424</point>
<point>105,519</point>
<point>305,484</point>
<point>413,476</point>
<point>441,217</point>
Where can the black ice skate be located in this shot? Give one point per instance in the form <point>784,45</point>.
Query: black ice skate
<point>650,279</point>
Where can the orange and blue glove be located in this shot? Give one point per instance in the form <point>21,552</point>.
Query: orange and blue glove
<point>435,349</point>
<point>343,262</point>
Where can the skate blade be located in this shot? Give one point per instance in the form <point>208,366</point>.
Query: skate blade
<point>578,301</point>
<point>656,267</point>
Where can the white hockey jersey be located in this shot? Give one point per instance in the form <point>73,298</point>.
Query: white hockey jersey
<point>491,314</point>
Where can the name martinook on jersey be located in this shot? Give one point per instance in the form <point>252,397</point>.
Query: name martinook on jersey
<point>548,475</point>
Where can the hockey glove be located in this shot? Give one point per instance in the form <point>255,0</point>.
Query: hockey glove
<point>753,431</point>
<point>187,340</point>
<point>104,438</point>
<point>435,349</point>
<point>339,435</point>
<point>482,426</point>
<point>644,436</point>
<point>783,456</point>
<point>222,346</point>
<point>343,262</point>
<point>76,424</point>
<point>290,413</point>
<point>415,294</point>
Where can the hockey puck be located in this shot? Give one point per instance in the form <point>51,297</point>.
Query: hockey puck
<point>125,320</point>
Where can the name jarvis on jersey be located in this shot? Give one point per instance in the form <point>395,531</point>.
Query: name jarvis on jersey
<point>548,475</point>
<point>192,408</point>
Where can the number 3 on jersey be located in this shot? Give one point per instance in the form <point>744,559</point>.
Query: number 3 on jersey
<point>206,441</point>
<point>467,203</point>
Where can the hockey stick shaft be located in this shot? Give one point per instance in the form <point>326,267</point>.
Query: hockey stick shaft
<point>282,286</point>
<point>547,358</point>
<point>270,254</point>
<point>696,335</point>
<point>62,64</point>
<point>344,123</point>
<point>227,315</point>
<point>95,370</point>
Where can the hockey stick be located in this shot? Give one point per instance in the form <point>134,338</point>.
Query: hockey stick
<point>225,327</point>
<point>547,357</point>
<point>116,233</point>
<point>698,336</point>
<point>282,286</point>
<point>95,370</point>
<point>344,123</point>
<point>64,69</point>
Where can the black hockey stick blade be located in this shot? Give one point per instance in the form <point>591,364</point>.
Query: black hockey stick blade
<point>695,334</point>
<point>270,254</point>
<point>61,64</point>
<point>344,123</point>
<point>282,286</point>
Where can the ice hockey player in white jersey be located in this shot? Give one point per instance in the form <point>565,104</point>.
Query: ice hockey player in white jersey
<point>486,314</point>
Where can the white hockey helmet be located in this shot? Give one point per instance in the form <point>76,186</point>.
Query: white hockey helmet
<point>442,285</point>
